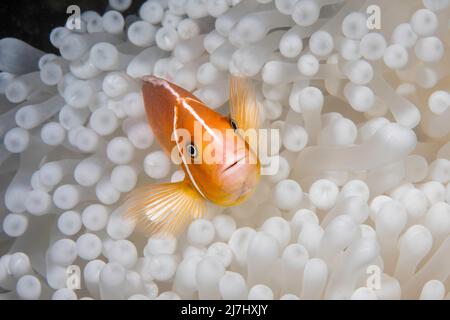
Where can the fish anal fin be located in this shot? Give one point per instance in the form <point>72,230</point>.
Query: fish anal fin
<point>165,208</point>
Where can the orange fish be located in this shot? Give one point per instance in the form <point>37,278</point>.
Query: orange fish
<point>227,181</point>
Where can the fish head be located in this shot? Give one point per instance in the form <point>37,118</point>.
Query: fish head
<point>216,157</point>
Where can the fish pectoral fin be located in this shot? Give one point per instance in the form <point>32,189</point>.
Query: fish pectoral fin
<point>244,109</point>
<point>164,208</point>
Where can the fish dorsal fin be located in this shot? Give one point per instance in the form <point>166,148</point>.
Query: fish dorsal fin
<point>165,208</point>
<point>243,105</point>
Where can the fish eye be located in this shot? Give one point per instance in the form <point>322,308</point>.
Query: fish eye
<point>233,124</point>
<point>192,150</point>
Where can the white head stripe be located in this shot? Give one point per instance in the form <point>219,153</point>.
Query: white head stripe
<point>165,84</point>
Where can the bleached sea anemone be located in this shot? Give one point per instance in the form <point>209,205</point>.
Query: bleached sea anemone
<point>360,205</point>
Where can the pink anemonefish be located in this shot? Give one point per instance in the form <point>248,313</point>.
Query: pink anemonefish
<point>169,207</point>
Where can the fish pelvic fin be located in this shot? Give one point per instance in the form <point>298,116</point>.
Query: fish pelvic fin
<point>165,208</point>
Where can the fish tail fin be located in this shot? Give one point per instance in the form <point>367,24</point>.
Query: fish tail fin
<point>165,208</point>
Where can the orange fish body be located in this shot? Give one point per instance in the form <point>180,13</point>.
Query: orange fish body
<point>219,164</point>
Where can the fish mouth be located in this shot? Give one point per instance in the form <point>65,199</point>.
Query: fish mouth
<point>234,164</point>
<point>245,189</point>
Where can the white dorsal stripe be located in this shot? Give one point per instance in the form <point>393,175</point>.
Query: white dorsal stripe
<point>198,118</point>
